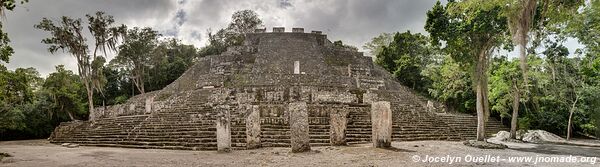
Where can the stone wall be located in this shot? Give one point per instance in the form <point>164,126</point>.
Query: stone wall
<point>248,97</point>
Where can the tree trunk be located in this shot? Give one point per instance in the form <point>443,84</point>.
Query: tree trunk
<point>480,89</point>
<point>515,114</point>
<point>90,96</point>
<point>71,116</point>
<point>571,118</point>
<point>527,13</point>
<point>523,59</point>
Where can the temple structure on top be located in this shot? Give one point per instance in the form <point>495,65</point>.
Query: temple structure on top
<point>287,89</point>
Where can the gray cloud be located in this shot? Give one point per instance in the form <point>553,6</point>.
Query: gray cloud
<point>353,21</point>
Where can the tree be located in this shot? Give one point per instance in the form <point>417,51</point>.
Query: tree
<point>16,90</point>
<point>5,50</point>
<point>505,85</point>
<point>451,84</point>
<point>242,21</point>
<point>586,28</point>
<point>170,59</point>
<point>524,16</point>
<point>375,46</point>
<point>406,56</point>
<point>63,88</point>
<point>68,37</point>
<point>135,54</point>
<point>470,36</point>
<point>340,44</point>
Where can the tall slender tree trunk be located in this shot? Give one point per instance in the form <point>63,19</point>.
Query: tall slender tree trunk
<point>90,96</point>
<point>523,59</point>
<point>524,24</point>
<point>481,92</point>
<point>571,118</point>
<point>515,114</point>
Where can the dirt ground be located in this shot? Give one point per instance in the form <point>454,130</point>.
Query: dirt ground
<point>436,153</point>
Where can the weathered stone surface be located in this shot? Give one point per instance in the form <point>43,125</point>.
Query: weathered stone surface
<point>260,73</point>
<point>148,105</point>
<point>339,122</point>
<point>296,67</point>
<point>381,119</point>
<point>223,129</point>
<point>300,140</point>
<point>252,127</point>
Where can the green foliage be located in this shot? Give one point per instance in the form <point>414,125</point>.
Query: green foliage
<point>67,36</point>
<point>242,21</point>
<point>504,81</point>
<point>340,44</point>
<point>5,49</point>
<point>450,84</point>
<point>170,59</point>
<point>135,54</point>
<point>63,88</point>
<point>406,56</point>
<point>375,46</point>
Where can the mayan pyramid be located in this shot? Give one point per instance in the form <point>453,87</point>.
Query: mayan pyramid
<point>249,90</point>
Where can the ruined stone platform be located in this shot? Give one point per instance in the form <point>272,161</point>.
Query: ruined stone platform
<point>241,99</point>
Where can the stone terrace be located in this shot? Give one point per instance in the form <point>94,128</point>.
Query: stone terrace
<point>241,99</point>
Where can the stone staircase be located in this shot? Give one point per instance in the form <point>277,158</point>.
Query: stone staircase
<point>466,125</point>
<point>238,134</point>
<point>411,123</point>
<point>187,126</point>
<point>359,126</point>
<point>275,132</point>
<point>319,130</point>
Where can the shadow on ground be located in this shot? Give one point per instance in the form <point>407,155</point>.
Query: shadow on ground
<point>395,149</point>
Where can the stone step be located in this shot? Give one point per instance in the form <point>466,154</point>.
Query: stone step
<point>150,147</point>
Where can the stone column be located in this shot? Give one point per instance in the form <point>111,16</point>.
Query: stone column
<point>381,120</point>
<point>296,67</point>
<point>338,121</point>
<point>252,127</point>
<point>148,105</point>
<point>223,130</point>
<point>300,139</point>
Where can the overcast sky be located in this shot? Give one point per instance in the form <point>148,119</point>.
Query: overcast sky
<point>352,21</point>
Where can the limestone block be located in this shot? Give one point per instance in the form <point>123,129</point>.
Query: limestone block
<point>252,127</point>
<point>296,67</point>
<point>148,106</point>
<point>301,30</point>
<point>339,121</point>
<point>223,130</point>
<point>381,120</point>
<point>369,97</point>
<point>300,139</point>
<point>430,107</point>
<point>278,29</point>
<point>131,109</point>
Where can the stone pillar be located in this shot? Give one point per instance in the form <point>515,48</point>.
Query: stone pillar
<point>148,106</point>
<point>223,130</point>
<point>381,120</point>
<point>430,107</point>
<point>338,121</point>
<point>252,127</point>
<point>300,139</point>
<point>296,67</point>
